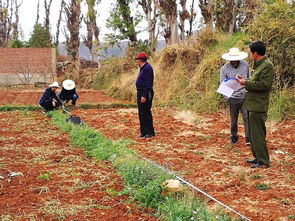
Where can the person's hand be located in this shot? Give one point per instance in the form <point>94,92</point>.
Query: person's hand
<point>53,104</point>
<point>241,80</point>
<point>143,99</point>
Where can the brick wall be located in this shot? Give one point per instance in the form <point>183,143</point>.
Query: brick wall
<point>27,65</point>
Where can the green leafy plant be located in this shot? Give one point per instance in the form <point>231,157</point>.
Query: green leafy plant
<point>44,176</point>
<point>262,186</point>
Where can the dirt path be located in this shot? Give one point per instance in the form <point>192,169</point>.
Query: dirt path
<point>56,181</point>
<point>31,97</point>
<point>203,155</point>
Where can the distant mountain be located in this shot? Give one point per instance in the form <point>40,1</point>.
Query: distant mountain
<point>111,51</point>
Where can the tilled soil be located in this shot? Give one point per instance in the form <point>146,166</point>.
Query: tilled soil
<point>199,149</point>
<point>31,97</point>
<point>54,180</point>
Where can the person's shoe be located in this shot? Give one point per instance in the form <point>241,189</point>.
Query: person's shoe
<point>234,139</point>
<point>255,165</point>
<point>141,136</point>
<point>149,135</point>
<point>258,165</point>
<point>251,161</point>
<point>248,141</point>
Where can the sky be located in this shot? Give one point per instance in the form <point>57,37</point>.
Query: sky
<point>28,12</point>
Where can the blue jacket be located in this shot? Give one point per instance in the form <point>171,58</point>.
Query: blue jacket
<point>66,95</point>
<point>145,79</point>
<point>48,96</point>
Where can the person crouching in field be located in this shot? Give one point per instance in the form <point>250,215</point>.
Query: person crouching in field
<point>145,95</point>
<point>68,92</point>
<point>236,65</point>
<point>257,102</point>
<point>49,100</point>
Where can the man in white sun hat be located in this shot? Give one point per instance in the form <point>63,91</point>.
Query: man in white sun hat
<point>68,92</point>
<point>49,100</point>
<point>236,65</point>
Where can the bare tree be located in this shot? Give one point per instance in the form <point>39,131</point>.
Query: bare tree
<point>207,10</point>
<point>73,20</point>
<point>150,11</point>
<point>47,6</point>
<point>58,24</point>
<point>183,16</point>
<point>6,24</point>
<point>16,22</point>
<point>24,71</point>
<point>92,28</point>
<point>38,12</point>
<point>169,12</point>
<point>192,18</point>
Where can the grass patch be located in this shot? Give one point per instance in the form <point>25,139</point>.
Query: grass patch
<point>44,176</point>
<point>262,186</point>
<point>82,106</point>
<point>143,181</point>
<point>256,176</point>
<point>17,107</point>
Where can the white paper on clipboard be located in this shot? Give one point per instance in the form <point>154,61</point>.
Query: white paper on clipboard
<point>225,90</point>
<point>234,84</point>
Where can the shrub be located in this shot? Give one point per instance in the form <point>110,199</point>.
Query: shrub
<point>275,25</point>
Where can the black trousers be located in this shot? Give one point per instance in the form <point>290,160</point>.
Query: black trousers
<point>47,105</point>
<point>145,114</point>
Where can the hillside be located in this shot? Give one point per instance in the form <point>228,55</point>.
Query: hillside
<point>187,74</point>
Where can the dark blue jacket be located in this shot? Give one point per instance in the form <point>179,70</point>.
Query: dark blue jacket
<point>66,95</point>
<point>48,96</point>
<point>145,79</point>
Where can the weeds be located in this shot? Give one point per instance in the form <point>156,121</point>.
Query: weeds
<point>262,186</point>
<point>44,176</point>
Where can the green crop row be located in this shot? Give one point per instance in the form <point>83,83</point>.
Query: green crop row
<point>143,181</point>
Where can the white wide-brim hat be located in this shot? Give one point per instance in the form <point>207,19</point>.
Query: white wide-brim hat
<point>234,54</point>
<point>68,84</point>
<point>54,84</point>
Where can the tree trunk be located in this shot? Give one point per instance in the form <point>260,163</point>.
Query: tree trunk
<point>58,24</point>
<point>16,23</point>
<point>73,14</point>
<point>232,25</point>
<point>192,17</point>
<point>169,10</point>
<point>174,31</point>
<point>6,25</point>
<point>150,11</point>
<point>183,16</point>
<point>47,6</point>
<point>38,13</point>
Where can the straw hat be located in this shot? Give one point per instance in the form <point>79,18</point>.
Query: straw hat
<point>234,54</point>
<point>54,84</point>
<point>68,84</point>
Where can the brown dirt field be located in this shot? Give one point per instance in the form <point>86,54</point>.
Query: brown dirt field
<point>78,187</point>
<point>31,97</point>
<point>201,152</point>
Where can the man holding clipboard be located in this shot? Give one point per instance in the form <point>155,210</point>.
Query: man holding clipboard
<point>233,92</point>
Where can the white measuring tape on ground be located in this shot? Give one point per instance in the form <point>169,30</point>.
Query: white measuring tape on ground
<point>195,188</point>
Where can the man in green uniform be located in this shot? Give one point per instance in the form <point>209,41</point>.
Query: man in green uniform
<point>257,101</point>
